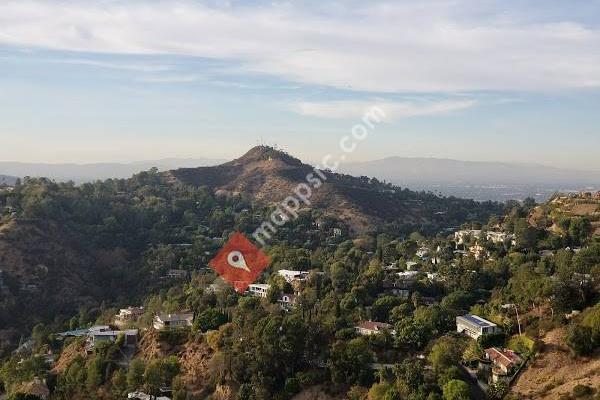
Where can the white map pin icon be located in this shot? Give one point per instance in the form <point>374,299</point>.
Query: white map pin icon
<point>236,260</point>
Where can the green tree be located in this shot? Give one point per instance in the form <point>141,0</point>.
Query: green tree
<point>457,390</point>
<point>210,319</point>
<point>135,374</point>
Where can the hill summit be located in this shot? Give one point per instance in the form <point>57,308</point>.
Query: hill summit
<point>269,176</point>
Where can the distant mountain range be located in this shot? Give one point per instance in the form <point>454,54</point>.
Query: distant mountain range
<point>402,170</point>
<point>476,180</point>
<point>80,173</point>
<point>7,180</point>
<point>469,179</point>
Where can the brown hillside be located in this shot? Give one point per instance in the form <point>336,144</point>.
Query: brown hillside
<point>555,371</point>
<point>268,176</point>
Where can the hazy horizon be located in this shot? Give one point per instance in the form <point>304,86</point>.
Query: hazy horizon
<point>94,81</point>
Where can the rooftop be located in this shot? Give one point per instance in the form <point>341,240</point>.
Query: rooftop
<point>474,319</point>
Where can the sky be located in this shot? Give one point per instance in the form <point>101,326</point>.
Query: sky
<point>107,80</point>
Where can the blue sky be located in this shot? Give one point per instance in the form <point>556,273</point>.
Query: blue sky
<point>107,80</point>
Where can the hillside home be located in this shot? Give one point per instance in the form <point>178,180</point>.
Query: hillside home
<point>96,337</point>
<point>501,237</point>
<point>434,277</point>
<point>504,363</point>
<point>408,275</point>
<point>466,235</point>
<point>423,253</point>
<point>410,265</point>
<point>177,274</point>
<point>479,252</point>
<point>144,396</point>
<point>127,315</point>
<point>287,301</point>
<point>293,276</point>
<point>258,289</point>
<point>400,289</point>
<point>369,328</point>
<point>173,321</point>
<point>475,327</point>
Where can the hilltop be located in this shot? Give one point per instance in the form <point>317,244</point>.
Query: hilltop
<point>267,175</point>
<point>556,215</point>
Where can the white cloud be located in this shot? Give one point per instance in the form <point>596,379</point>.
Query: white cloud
<point>393,110</point>
<point>173,78</point>
<point>113,65</point>
<point>427,46</point>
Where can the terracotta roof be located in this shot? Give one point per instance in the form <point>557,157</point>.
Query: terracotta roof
<point>373,326</point>
<point>506,358</point>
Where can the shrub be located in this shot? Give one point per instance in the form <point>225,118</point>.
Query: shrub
<point>582,391</point>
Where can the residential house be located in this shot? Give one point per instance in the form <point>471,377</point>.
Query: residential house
<point>410,265</point>
<point>368,328</point>
<point>173,321</point>
<point>287,301</point>
<point>475,326</point>
<point>501,237</point>
<point>433,276</point>
<point>410,276</point>
<point>293,276</point>
<point>466,235</point>
<point>337,232</point>
<point>392,267</point>
<point>144,396</point>
<point>400,289</point>
<point>96,337</point>
<point>478,251</point>
<point>128,315</point>
<point>423,253</point>
<point>177,274</point>
<point>504,363</point>
<point>258,289</point>
<point>85,331</point>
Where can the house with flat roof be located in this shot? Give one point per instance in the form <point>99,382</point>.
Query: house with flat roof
<point>177,274</point>
<point>96,337</point>
<point>258,289</point>
<point>173,321</point>
<point>475,327</point>
<point>293,276</point>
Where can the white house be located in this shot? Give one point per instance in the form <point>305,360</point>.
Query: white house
<point>291,275</point>
<point>408,275</point>
<point>173,321</point>
<point>258,289</point>
<point>129,314</point>
<point>501,237</point>
<point>465,235</point>
<point>177,274</point>
<point>474,326</point>
<point>423,253</point>
<point>144,396</point>
<point>411,264</point>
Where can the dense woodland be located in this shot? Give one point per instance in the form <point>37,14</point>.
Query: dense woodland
<point>255,350</point>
